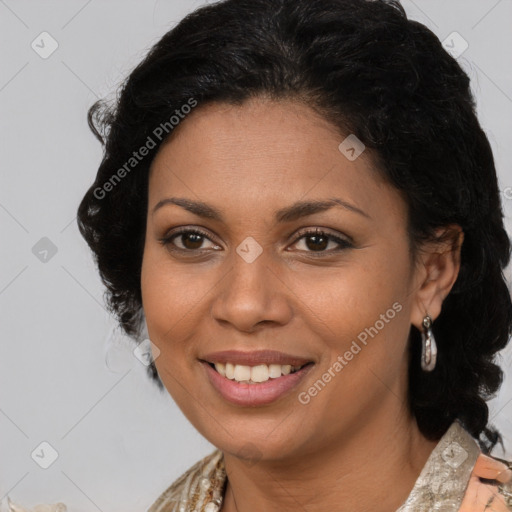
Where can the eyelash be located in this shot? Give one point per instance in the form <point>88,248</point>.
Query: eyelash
<point>345,244</point>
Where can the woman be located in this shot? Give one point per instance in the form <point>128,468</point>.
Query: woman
<point>298,202</point>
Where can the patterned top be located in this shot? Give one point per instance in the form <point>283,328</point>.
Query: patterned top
<point>457,477</point>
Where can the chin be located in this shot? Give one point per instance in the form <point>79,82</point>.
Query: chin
<point>254,447</point>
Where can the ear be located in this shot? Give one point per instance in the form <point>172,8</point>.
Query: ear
<point>436,273</point>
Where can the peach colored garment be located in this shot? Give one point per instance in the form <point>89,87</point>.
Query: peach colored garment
<point>480,496</point>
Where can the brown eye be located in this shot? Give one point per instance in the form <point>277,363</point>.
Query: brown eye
<point>316,241</point>
<point>191,240</point>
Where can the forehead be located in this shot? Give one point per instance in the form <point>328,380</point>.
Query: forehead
<point>264,153</point>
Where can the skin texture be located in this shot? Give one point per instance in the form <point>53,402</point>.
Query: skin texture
<point>356,437</point>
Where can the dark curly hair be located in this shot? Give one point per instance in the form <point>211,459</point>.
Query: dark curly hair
<point>372,72</point>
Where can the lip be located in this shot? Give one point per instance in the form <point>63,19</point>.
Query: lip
<point>255,357</point>
<point>253,395</point>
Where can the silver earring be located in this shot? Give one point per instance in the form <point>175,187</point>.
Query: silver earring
<point>429,347</point>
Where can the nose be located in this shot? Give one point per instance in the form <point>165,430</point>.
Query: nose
<point>252,295</point>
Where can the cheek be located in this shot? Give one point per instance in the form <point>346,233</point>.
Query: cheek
<point>169,299</point>
<point>163,309</point>
<point>163,306</point>
<point>174,301</point>
<point>348,299</point>
<point>169,293</point>
<point>361,313</point>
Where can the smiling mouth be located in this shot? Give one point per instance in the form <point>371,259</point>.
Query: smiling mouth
<point>254,374</point>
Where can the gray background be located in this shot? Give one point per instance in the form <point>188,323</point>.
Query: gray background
<point>67,377</point>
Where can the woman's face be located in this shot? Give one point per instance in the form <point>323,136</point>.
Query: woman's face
<point>259,279</point>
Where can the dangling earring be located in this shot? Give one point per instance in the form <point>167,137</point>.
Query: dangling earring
<point>429,347</point>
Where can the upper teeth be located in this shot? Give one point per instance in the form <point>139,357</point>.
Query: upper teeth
<point>259,373</point>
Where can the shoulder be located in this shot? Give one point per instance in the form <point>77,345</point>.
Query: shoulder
<point>199,485</point>
<point>490,486</point>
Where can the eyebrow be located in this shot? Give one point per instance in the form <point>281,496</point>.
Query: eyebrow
<point>287,214</point>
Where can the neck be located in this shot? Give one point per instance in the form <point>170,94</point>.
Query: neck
<point>376,456</point>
